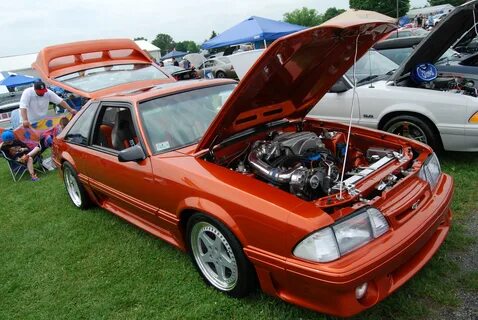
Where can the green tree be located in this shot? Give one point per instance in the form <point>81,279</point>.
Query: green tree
<point>305,17</point>
<point>140,38</point>
<point>165,42</point>
<point>452,2</point>
<point>388,8</point>
<point>213,34</point>
<point>331,12</point>
<point>187,46</point>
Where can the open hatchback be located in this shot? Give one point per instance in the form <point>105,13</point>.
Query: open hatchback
<point>236,175</point>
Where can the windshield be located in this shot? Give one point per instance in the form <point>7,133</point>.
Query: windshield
<point>398,55</point>
<point>372,65</point>
<point>105,77</point>
<point>181,119</point>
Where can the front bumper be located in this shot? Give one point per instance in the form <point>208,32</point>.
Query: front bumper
<point>384,264</point>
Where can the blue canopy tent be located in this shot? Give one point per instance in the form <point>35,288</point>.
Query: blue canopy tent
<point>252,30</point>
<point>15,80</point>
<point>174,54</point>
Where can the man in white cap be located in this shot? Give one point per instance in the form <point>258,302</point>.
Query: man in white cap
<point>34,103</point>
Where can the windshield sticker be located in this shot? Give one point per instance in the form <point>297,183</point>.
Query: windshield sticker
<point>162,145</point>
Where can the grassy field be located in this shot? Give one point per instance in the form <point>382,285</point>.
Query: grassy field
<point>58,262</point>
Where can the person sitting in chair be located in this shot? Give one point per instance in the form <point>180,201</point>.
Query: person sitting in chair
<point>19,151</point>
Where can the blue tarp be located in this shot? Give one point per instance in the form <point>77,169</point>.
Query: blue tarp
<point>174,54</point>
<point>14,80</point>
<point>252,30</point>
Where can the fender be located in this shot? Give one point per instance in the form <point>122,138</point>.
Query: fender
<point>213,210</point>
<point>408,107</point>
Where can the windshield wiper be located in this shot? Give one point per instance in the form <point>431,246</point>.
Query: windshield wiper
<point>371,77</point>
<point>391,72</point>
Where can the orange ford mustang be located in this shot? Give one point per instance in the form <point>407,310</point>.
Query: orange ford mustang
<point>236,175</point>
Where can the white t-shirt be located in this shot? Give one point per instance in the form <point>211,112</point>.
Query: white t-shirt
<point>37,106</point>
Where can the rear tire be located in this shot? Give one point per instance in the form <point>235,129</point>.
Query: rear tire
<point>220,74</point>
<point>414,128</point>
<point>218,256</point>
<point>73,186</point>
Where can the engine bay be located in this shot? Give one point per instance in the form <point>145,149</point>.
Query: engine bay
<point>309,163</point>
<point>452,84</point>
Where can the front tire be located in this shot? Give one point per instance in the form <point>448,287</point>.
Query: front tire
<point>74,187</point>
<point>414,128</point>
<point>218,256</point>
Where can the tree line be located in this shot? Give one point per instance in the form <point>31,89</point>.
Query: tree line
<point>306,17</point>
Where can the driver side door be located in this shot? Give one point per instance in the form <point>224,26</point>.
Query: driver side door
<point>125,188</point>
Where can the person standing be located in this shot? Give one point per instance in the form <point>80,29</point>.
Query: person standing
<point>419,21</point>
<point>34,103</point>
<point>175,62</point>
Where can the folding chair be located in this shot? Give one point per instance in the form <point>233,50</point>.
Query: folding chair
<point>18,169</point>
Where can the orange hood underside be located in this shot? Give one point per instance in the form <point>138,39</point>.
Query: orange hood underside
<point>295,72</point>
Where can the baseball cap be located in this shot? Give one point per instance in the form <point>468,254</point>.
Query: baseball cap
<point>7,136</point>
<point>40,87</point>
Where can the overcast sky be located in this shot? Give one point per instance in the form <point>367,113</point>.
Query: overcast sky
<point>29,25</point>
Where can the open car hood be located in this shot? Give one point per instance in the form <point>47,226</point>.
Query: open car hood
<point>447,32</point>
<point>60,60</point>
<point>295,72</point>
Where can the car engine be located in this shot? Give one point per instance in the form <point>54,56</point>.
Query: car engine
<point>298,161</point>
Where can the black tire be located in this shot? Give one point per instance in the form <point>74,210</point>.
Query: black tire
<point>79,197</point>
<point>415,125</point>
<point>220,74</point>
<point>242,277</point>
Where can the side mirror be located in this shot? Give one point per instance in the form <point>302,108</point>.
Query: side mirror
<point>134,153</point>
<point>339,87</point>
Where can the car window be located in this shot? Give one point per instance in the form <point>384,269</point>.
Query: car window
<point>403,34</point>
<point>397,55</point>
<point>224,60</point>
<point>181,119</point>
<point>95,79</point>
<point>420,32</point>
<point>80,130</point>
<point>114,128</point>
<point>372,64</point>
<point>171,69</point>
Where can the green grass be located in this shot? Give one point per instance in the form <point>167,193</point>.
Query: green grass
<point>60,262</point>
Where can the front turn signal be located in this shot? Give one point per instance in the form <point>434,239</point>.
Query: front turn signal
<point>474,118</point>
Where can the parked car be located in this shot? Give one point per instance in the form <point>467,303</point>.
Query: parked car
<point>220,67</point>
<point>6,113</point>
<point>179,73</point>
<point>442,113</point>
<point>406,32</point>
<point>438,18</point>
<point>235,175</point>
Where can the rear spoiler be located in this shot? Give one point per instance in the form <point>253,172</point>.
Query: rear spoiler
<point>66,58</point>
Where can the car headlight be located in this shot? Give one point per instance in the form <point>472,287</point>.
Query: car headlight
<point>344,236</point>
<point>430,171</point>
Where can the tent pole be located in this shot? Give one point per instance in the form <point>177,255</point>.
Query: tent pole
<point>265,44</point>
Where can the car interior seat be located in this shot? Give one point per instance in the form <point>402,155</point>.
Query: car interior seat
<point>105,136</point>
<point>123,135</point>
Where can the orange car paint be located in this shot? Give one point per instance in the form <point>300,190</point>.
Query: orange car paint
<point>160,193</point>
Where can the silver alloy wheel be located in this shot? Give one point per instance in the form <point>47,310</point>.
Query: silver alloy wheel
<point>72,187</point>
<point>214,256</point>
<point>409,130</point>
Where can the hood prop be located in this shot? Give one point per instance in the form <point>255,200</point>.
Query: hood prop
<point>354,92</point>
